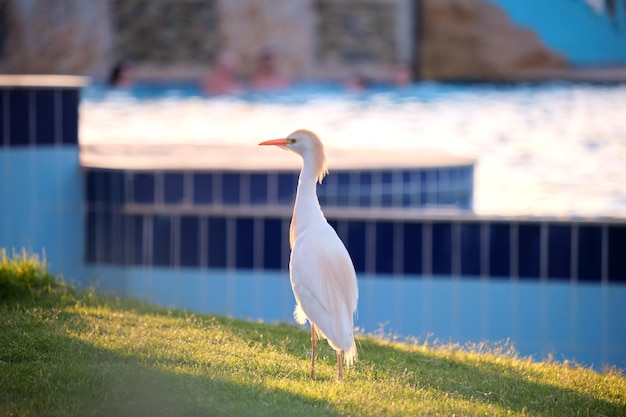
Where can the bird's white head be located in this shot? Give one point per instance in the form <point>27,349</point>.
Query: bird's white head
<point>309,146</point>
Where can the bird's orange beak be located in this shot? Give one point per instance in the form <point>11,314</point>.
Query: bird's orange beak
<point>275,142</point>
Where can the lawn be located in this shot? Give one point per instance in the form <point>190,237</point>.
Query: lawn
<point>70,353</point>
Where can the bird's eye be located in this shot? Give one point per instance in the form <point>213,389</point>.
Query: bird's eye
<point>292,141</point>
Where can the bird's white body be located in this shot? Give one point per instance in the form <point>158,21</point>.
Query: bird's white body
<point>324,285</point>
<point>322,274</point>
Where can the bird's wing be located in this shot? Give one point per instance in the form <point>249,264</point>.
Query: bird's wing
<point>324,283</point>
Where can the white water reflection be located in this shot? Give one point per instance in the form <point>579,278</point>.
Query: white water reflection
<point>552,149</point>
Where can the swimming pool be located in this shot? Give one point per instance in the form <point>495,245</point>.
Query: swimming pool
<point>541,149</point>
<point>550,284</point>
<point>529,262</point>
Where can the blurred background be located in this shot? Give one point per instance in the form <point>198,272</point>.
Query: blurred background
<point>434,39</point>
<point>476,153</point>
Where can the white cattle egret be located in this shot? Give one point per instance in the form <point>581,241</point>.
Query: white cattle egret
<point>322,275</point>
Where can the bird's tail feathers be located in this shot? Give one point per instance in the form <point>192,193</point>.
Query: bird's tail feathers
<point>351,355</point>
<point>298,314</point>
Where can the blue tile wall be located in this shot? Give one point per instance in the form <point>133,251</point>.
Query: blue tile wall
<point>231,188</point>
<point>217,242</point>
<point>499,250</point>
<point>559,251</point>
<point>258,189</point>
<point>529,251</point>
<point>412,248</point>
<point>442,248</point>
<point>70,99</point>
<point>39,116</point>
<point>586,251</point>
<point>135,239</point>
<point>44,118</point>
<point>202,188</point>
<point>617,254</point>
<point>273,243</point>
<point>287,184</point>
<point>162,241</point>
<point>355,240</point>
<point>189,241</point>
<point>144,188</point>
<point>589,253</point>
<point>470,249</point>
<point>245,242</point>
<point>19,122</point>
<point>385,247</point>
<point>173,188</point>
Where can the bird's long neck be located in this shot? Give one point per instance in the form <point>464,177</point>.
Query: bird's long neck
<point>306,208</point>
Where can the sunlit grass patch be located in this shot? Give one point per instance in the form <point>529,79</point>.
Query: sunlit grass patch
<point>106,356</point>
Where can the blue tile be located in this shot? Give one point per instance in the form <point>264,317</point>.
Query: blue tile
<point>189,244</point>
<point>173,188</point>
<point>499,250</point>
<point>355,244</point>
<point>425,188</point>
<point>258,189</point>
<point>143,188</point>
<point>589,253</point>
<point>386,178</point>
<point>162,241</point>
<point>559,251</point>
<point>273,244</point>
<point>365,196</point>
<point>231,188</point>
<point>104,187</point>
<point>412,248</point>
<point>343,190</point>
<point>136,244</point>
<point>102,238</point>
<point>216,242</point>
<point>4,117</point>
<point>385,247</point>
<point>617,253</point>
<point>442,248</point>
<point>92,185</point>
<point>203,188</point>
<point>19,116</point>
<point>470,249</point>
<point>91,237</point>
<point>45,116</point>
<point>343,180</point>
<point>244,252</point>
<point>118,237</point>
<point>287,184</point>
<point>69,104</point>
<point>529,246</point>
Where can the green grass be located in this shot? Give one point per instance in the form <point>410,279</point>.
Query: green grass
<point>66,353</point>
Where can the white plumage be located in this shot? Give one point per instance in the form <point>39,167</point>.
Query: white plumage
<point>322,274</point>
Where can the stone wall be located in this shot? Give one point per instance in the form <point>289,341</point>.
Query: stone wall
<point>475,40</point>
<point>180,38</point>
<point>58,37</point>
<point>165,32</point>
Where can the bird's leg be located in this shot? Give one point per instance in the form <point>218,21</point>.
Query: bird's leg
<point>339,365</point>
<point>313,341</point>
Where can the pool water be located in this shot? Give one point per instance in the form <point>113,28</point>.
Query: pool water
<point>541,149</point>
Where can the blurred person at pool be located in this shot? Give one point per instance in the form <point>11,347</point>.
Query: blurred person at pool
<point>267,76</point>
<point>122,75</point>
<point>222,79</point>
<point>400,77</point>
